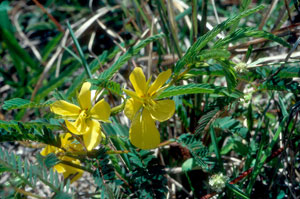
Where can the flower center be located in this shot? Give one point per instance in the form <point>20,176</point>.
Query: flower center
<point>83,114</point>
<point>149,103</point>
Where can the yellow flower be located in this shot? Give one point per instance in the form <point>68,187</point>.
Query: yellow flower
<point>70,145</point>
<point>85,116</point>
<point>143,109</point>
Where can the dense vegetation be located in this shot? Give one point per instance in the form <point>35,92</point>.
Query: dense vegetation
<point>149,99</point>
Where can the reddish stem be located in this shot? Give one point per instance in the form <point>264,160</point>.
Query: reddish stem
<point>247,172</point>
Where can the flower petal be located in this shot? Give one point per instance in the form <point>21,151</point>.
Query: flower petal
<point>93,136</point>
<point>65,139</point>
<point>143,132</point>
<point>163,110</point>
<point>138,81</point>
<point>69,143</point>
<point>60,168</point>
<point>101,111</point>
<point>132,94</point>
<point>131,108</point>
<point>159,82</point>
<point>72,172</point>
<point>84,97</point>
<point>65,108</point>
<point>48,149</point>
<point>79,127</point>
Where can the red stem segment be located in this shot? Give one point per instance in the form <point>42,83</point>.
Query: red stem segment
<point>247,172</point>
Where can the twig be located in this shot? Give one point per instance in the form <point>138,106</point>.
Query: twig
<point>288,10</point>
<point>267,15</point>
<point>180,186</point>
<point>59,27</point>
<point>150,51</point>
<point>286,59</point>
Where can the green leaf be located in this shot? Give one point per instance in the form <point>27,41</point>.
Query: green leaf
<point>56,82</point>
<point>107,74</point>
<point>85,64</point>
<point>213,70</point>
<point>14,47</point>
<point>230,74</point>
<point>107,84</point>
<point>62,195</point>
<point>18,103</point>
<point>249,32</point>
<point>239,193</point>
<point>195,49</point>
<point>51,45</point>
<point>214,54</point>
<point>282,107</point>
<point>47,26</point>
<point>188,165</point>
<point>94,66</point>
<point>196,148</point>
<point>18,131</point>
<point>4,19</point>
<point>51,160</point>
<point>204,120</point>
<point>232,125</point>
<point>215,146</point>
<point>197,88</point>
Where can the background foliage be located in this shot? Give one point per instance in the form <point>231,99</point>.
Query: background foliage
<point>235,75</point>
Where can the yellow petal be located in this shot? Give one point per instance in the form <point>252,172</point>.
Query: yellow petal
<point>143,132</point>
<point>101,111</point>
<point>69,143</point>
<point>159,82</point>
<point>133,95</point>
<point>48,149</point>
<point>138,81</point>
<point>84,96</point>
<point>72,172</point>
<point>64,108</point>
<point>93,136</point>
<point>131,108</point>
<point>60,168</point>
<point>65,139</point>
<point>79,127</point>
<point>163,110</point>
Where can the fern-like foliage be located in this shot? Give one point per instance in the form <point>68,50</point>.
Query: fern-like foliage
<point>197,88</point>
<point>104,175</point>
<point>198,151</point>
<point>18,103</point>
<point>107,84</point>
<point>249,32</point>
<point>147,176</point>
<point>18,131</point>
<point>205,120</point>
<point>195,49</point>
<point>232,125</point>
<point>30,173</point>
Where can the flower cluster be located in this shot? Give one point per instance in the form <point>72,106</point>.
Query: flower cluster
<point>68,144</point>
<point>85,116</point>
<point>82,120</point>
<point>143,108</point>
<point>218,182</point>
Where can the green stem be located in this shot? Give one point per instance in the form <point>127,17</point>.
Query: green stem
<point>76,166</point>
<point>117,109</point>
<point>194,20</point>
<point>215,146</point>
<point>85,64</point>
<point>142,13</point>
<point>204,17</point>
